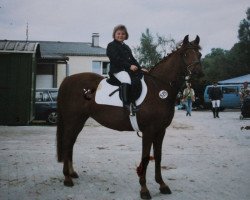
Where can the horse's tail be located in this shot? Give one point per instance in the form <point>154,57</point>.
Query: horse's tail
<point>60,130</point>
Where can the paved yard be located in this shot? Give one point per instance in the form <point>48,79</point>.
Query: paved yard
<point>203,158</point>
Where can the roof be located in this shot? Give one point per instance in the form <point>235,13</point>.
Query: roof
<point>49,48</point>
<point>7,46</point>
<point>57,49</point>
<point>236,80</point>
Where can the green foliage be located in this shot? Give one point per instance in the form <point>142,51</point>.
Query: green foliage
<point>214,64</point>
<point>150,52</point>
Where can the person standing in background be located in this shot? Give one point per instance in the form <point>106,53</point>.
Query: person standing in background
<point>188,98</point>
<point>244,92</point>
<point>215,96</point>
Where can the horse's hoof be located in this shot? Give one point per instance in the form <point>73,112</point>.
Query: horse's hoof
<point>145,195</point>
<point>68,183</point>
<point>74,175</point>
<point>165,190</point>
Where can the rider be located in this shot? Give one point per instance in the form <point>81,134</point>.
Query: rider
<point>122,62</point>
<point>215,96</point>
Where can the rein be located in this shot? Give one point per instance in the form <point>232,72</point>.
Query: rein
<point>154,78</point>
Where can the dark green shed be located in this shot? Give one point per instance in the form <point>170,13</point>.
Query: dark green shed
<point>17,81</point>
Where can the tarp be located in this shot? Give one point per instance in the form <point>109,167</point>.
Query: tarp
<point>236,80</point>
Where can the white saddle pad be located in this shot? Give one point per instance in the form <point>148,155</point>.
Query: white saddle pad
<point>104,89</point>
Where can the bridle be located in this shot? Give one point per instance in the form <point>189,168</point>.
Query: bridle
<point>188,66</point>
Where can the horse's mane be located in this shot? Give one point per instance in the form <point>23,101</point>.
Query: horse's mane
<point>178,48</point>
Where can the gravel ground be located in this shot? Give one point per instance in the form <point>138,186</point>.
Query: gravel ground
<point>203,159</point>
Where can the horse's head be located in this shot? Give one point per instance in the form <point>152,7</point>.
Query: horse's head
<point>191,56</point>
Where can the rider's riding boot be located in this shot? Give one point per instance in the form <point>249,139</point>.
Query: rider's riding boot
<point>124,92</point>
<point>213,109</point>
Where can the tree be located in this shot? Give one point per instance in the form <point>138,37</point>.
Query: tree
<point>244,29</point>
<point>214,65</point>
<point>165,45</point>
<point>150,52</point>
<point>221,64</point>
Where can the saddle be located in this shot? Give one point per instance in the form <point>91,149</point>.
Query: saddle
<point>136,86</point>
<point>107,92</point>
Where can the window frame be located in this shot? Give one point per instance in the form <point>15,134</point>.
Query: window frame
<point>101,70</point>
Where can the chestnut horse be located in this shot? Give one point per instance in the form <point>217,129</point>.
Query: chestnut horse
<point>154,116</point>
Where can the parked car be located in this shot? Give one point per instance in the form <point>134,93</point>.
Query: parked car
<point>46,105</point>
<point>231,97</point>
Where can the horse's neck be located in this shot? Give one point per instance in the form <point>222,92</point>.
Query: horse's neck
<point>169,71</point>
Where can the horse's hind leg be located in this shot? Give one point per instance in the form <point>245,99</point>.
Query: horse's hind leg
<point>72,129</point>
<point>157,145</point>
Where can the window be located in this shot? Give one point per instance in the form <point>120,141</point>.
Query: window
<point>42,97</point>
<point>229,90</point>
<point>105,68</point>
<point>100,67</point>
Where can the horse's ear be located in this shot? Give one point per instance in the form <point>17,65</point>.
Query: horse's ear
<point>197,40</point>
<point>185,40</point>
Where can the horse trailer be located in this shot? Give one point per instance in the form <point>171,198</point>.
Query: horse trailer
<point>17,81</point>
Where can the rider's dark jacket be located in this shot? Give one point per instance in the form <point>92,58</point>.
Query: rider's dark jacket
<point>121,57</point>
<point>215,93</point>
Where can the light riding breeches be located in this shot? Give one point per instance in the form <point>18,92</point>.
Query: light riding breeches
<point>216,103</point>
<point>123,77</point>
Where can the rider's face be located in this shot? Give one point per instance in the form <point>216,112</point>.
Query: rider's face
<point>120,35</point>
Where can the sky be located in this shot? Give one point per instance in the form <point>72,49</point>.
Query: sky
<point>215,21</point>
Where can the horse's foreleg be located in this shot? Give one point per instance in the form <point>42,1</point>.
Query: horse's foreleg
<point>142,169</point>
<point>157,145</point>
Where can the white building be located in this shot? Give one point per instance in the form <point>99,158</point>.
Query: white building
<point>61,59</point>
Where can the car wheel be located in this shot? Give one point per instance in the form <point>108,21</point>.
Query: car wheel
<point>52,117</point>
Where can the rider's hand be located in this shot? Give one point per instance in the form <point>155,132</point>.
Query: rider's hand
<point>133,67</point>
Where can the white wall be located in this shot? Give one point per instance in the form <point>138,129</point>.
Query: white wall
<point>44,81</point>
<point>77,64</point>
<point>61,73</point>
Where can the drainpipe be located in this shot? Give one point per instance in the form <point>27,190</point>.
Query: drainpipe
<point>67,69</point>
